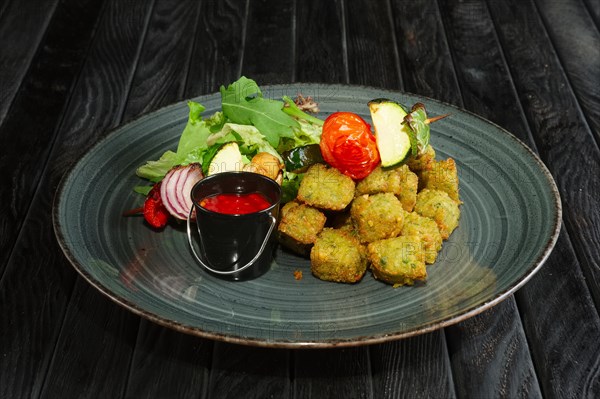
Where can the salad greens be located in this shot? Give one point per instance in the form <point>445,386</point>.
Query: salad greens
<point>256,123</point>
<point>243,103</point>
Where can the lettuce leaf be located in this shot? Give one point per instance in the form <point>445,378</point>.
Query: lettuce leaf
<point>191,147</point>
<point>252,141</point>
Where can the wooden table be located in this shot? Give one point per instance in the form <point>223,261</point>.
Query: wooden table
<point>71,70</point>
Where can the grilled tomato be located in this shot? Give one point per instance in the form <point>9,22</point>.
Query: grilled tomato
<point>348,145</point>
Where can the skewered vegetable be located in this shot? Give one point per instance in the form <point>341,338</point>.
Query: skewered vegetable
<point>348,145</point>
<point>299,159</point>
<point>393,137</point>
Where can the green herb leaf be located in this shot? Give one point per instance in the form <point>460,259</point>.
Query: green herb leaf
<point>243,103</point>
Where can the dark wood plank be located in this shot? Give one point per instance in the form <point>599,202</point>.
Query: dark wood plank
<point>428,70</point>
<point>505,368</point>
<point>479,64</point>
<point>320,41</point>
<point>94,347</point>
<point>321,57</point>
<point>28,132</point>
<point>248,372</point>
<point>219,46</point>
<point>35,287</point>
<point>332,373</point>
<point>22,27</point>
<point>168,364</point>
<point>594,9</point>
<point>164,362</point>
<point>560,327</point>
<point>417,367</point>
<point>164,63</point>
<point>577,42</point>
<point>3,6</point>
<point>38,281</point>
<point>490,356</point>
<point>371,45</point>
<point>269,44</point>
<point>426,63</point>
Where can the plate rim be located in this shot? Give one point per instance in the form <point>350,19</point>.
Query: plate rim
<point>327,343</point>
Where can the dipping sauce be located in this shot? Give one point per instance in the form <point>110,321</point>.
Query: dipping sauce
<point>235,204</point>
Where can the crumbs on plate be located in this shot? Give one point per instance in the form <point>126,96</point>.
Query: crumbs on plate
<point>298,274</point>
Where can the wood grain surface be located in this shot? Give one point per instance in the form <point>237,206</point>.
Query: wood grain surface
<point>583,77</point>
<point>270,58</point>
<point>71,71</point>
<point>218,46</point>
<point>320,41</point>
<point>22,26</point>
<point>36,112</point>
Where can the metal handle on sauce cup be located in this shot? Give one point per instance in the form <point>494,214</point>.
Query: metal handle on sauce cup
<point>272,221</point>
<point>231,243</point>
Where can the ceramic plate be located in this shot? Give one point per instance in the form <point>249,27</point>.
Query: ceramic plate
<point>509,223</point>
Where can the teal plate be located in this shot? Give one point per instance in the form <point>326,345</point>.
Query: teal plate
<point>509,223</point>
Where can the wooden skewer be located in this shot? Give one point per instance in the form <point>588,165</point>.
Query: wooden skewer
<point>435,118</point>
<point>135,211</point>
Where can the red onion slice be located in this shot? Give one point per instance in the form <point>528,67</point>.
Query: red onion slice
<point>176,188</point>
<point>194,176</point>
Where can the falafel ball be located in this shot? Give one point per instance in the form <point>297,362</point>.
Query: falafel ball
<point>438,205</point>
<point>398,260</point>
<point>427,230</point>
<point>337,256</point>
<point>377,216</point>
<point>443,176</point>
<point>422,161</point>
<point>326,188</point>
<point>299,226</point>
<point>399,181</point>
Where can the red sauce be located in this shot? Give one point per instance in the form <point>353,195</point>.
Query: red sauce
<point>235,204</point>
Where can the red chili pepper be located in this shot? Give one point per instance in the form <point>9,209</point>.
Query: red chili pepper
<point>348,145</point>
<point>155,212</point>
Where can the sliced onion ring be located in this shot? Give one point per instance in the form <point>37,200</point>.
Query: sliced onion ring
<point>176,188</point>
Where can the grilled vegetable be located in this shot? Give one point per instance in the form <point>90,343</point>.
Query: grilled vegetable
<point>154,211</point>
<point>392,135</point>
<point>348,145</point>
<point>298,160</point>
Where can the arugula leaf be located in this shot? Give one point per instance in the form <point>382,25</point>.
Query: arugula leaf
<point>243,103</point>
